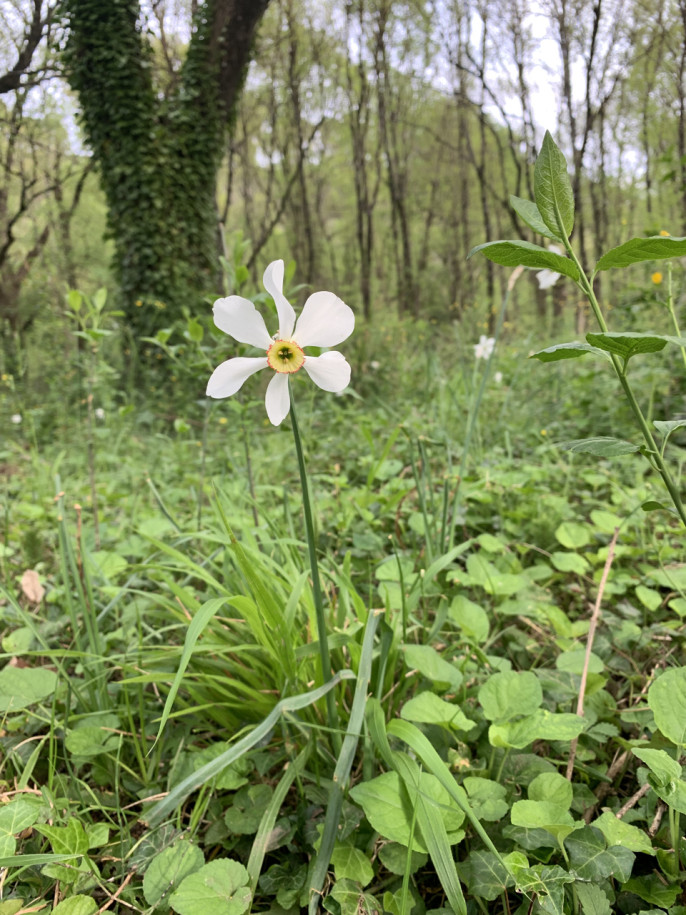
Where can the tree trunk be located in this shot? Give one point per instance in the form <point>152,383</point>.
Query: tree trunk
<point>158,158</point>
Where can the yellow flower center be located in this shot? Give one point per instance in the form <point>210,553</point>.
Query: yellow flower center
<point>285,356</point>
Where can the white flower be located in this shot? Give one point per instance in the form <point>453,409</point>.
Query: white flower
<point>375,365</point>
<point>324,321</point>
<point>484,348</point>
<point>498,377</point>
<point>547,278</point>
<point>16,418</point>
<point>99,413</point>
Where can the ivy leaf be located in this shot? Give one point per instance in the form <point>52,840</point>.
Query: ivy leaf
<point>619,833</point>
<point>652,889</point>
<point>566,351</point>
<point>600,446</point>
<point>593,900</point>
<point>591,860</point>
<point>553,189</point>
<point>485,874</point>
<point>526,254</point>
<point>531,215</point>
<point>351,863</point>
<point>653,248</point>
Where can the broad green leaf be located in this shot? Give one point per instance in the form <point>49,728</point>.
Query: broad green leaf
<point>486,575</point>
<point>428,708</point>
<point>661,764</point>
<point>351,863</point>
<point>349,900</point>
<point>486,875</point>
<point>570,562</point>
<point>626,345</point>
<point>515,253</point>
<point>66,840</point>
<point>593,900</point>
<point>667,427</point>
<point>554,818</point>
<point>542,725</point>
<point>648,597</point>
<point>547,882</point>
<point>574,660</point>
<point>600,446</point>
<point>393,856</point>
<point>431,665</point>
<point>219,887</point>
<point>285,882</point>
<point>653,248</point>
<point>667,700</point>
<point>573,535</point>
<point>552,787</point>
<point>487,798</point>
<point>76,905</point>
<point>166,870</point>
<point>670,576</point>
<point>566,351</point>
<point>653,889</point>
<point>617,832</point>
<point>16,816</point>
<point>510,694</point>
<point>531,215</point>
<point>591,860</point>
<point>553,190</point>
<point>249,804</point>
<point>470,617</point>
<point>24,686</point>
<point>388,807</point>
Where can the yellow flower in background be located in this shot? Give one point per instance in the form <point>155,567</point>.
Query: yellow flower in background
<point>656,278</point>
<point>664,233</point>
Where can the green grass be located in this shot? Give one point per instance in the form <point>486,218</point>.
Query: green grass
<point>165,734</point>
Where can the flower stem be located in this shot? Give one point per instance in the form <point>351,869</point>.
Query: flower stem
<point>322,635</point>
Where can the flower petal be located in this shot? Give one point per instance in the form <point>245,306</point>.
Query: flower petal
<point>547,278</point>
<point>324,321</point>
<point>228,377</point>
<point>273,283</point>
<point>278,399</point>
<point>330,371</point>
<point>239,318</point>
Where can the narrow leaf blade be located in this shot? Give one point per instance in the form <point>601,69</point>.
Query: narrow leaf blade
<point>553,189</point>
<point>531,215</point>
<point>653,248</point>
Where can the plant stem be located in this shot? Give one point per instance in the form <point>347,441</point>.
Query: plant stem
<point>474,407</point>
<point>322,634</point>
<point>654,455</point>
<point>671,309</point>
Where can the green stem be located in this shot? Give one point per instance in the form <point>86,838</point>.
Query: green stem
<point>474,409</point>
<point>672,311</point>
<point>322,634</point>
<point>655,457</point>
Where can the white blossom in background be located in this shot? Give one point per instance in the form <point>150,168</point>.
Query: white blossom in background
<point>547,278</point>
<point>99,413</point>
<point>16,419</point>
<point>324,321</point>
<point>498,377</point>
<point>484,348</point>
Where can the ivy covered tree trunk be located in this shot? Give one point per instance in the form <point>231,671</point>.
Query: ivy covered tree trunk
<point>158,157</point>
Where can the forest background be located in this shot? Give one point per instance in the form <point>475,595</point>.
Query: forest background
<point>375,142</point>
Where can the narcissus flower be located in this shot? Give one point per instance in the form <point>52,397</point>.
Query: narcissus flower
<point>484,348</point>
<point>324,321</point>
